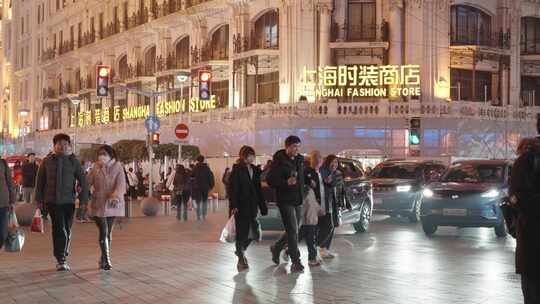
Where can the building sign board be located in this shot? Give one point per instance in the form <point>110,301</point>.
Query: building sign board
<point>362,81</point>
<point>107,115</point>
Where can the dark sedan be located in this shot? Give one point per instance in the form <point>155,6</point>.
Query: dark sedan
<point>468,195</point>
<point>398,185</point>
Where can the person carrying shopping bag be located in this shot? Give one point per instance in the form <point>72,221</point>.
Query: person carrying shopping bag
<point>108,182</point>
<point>246,200</point>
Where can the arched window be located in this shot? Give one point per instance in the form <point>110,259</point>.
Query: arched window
<point>267,31</point>
<point>530,35</point>
<point>219,45</point>
<point>182,53</point>
<point>469,26</point>
<point>150,61</point>
<point>123,68</point>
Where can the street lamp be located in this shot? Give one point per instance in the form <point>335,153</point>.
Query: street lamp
<point>75,100</point>
<point>182,77</point>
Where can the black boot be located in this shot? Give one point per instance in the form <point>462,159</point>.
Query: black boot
<point>105,257</point>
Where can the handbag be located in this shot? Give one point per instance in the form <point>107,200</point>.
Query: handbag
<point>13,223</point>
<point>228,235</point>
<point>15,239</point>
<point>37,222</point>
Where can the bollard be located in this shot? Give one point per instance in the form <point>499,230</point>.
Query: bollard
<point>215,201</point>
<point>166,199</point>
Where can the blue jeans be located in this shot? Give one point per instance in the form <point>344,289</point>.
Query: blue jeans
<point>4,216</point>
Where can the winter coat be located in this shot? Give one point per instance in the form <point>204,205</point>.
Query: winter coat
<point>203,178</point>
<point>280,172</point>
<point>56,178</point>
<point>29,172</point>
<point>312,210</point>
<point>105,180</point>
<point>180,180</point>
<point>7,188</point>
<point>524,183</point>
<point>245,193</point>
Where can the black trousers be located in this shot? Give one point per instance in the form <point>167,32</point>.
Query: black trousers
<point>244,224</point>
<point>326,231</point>
<point>531,289</point>
<point>105,227</point>
<point>4,216</point>
<point>62,220</point>
<point>292,220</point>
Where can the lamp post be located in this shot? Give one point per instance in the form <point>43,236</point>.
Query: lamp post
<point>75,100</point>
<point>23,113</point>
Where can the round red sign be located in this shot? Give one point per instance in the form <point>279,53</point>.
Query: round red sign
<point>181,131</point>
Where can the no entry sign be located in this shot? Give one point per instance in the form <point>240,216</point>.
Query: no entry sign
<point>181,131</point>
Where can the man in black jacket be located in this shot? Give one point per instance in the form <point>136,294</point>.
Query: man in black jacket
<point>55,190</point>
<point>287,177</point>
<point>525,195</point>
<point>29,172</point>
<point>203,182</point>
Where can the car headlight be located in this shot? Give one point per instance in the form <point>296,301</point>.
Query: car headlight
<point>491,193</point>
<point>427,193</point>
<point>404,188</point>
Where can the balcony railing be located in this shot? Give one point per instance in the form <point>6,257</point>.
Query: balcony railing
<point>65,47</point>
<point>207,53</point>
<point>48,54</point>
<point>171,62</point>
<point>138,18</point>
<point>252,42</point>
<point>49,93</point>
<point>497,40</point>
<point>110,29</point>
<point>361,33</point>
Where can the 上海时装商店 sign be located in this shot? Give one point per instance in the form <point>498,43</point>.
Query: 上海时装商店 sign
<point>106,115</point>
<point>362,81</point>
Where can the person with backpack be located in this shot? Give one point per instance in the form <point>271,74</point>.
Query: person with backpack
<point>55,191</point>
<point>108,181</point>
<point>287,177</point>
<point>203,182</point>
<point>8,197</point>
<point>524,196</point>
<point>246,199</point>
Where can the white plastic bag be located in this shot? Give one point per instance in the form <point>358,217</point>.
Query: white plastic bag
<point>228,235</point>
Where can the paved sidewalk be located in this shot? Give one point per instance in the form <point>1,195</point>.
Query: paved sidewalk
<point>161,260</point>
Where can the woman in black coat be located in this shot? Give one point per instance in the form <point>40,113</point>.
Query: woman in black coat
<point>246,200</point>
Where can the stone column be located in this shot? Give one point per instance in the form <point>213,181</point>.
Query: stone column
<point>396,28</point>
<point>325,27</point>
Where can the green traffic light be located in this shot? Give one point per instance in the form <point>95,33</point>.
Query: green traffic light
<point>414,139</point>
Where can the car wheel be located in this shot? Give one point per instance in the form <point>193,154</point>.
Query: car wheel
<point>414,217</point>
<point>429,228</point>
<point>500,230</point>
<point>365,217</point>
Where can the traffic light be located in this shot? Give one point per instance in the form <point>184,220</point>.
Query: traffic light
<point>103,73</point>
<point>415,134</point>
<point>204,85</point>
<point>155,139</point>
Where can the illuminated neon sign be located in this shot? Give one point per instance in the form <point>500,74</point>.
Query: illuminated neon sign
<point>362,81</point>
<point>107,115</point>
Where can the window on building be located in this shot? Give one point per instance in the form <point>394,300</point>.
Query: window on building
<point>220,43</point>
<point>150,61</point>
<point>71,36</point>
<point>92,27</point>
<point>267,30</point>
<point>530,35</point>
<point>57,5</point>
<point>530,90</point>
<point>54,41</point>
<point>361,20</point>
<point>100,25</point>
<point>221,90</point>
<point>268,87</point>
<point>22,26</point>
<point>79,34</point>
<point>116,21</point>
<point>469,26</point>
<point>126,14</point>
<point>123,68</point>
<point>182,53</point>
<point>464,88</point>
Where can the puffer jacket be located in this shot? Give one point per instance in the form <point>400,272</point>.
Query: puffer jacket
<point>56,180</point>
<point>282,168</point>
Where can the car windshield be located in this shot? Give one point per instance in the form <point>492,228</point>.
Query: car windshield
<point>469,173</point>
<point>401,171</point>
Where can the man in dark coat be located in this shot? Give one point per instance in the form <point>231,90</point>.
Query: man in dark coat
<point>287,177</point>
<point>246,199</point>
<point>29,172</point>
<point>7,198</point>
<point>525,195</point>
<point>55,191</point>
<point>203,182</point>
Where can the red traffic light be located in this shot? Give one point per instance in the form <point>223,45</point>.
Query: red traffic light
<point>205,76</point>
<point>155,138</point>
<point>103,71</point>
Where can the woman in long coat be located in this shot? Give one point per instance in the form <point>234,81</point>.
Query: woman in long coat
<point>246,200</point>
<point>108,184</point>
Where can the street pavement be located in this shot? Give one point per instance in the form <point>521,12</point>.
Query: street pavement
<point>161,260</point>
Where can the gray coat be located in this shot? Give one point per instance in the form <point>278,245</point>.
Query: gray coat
<point>7,189</point>
<point>56,180</point>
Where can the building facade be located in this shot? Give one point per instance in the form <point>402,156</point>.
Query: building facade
<point>278,67</point>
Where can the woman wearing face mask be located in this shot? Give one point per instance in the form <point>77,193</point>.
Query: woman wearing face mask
<point>246,200</point>
<point>108,182</point>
